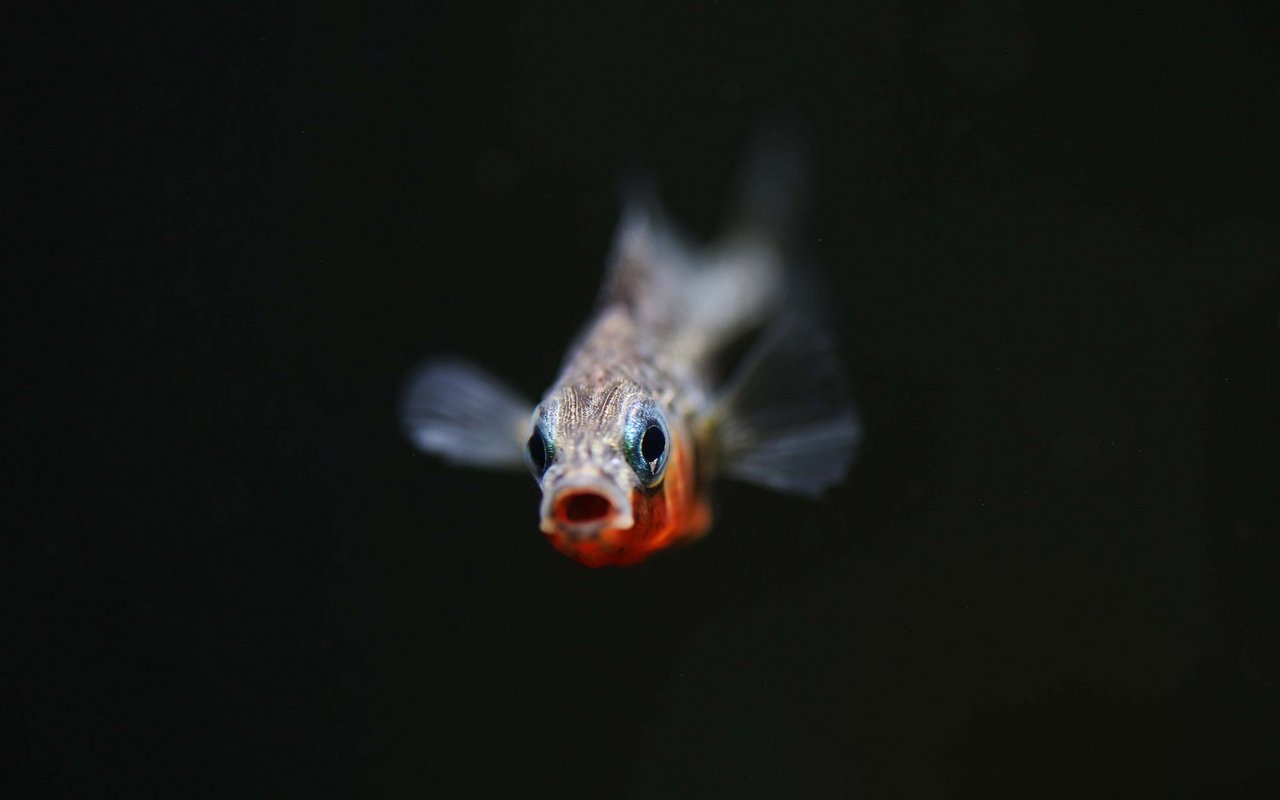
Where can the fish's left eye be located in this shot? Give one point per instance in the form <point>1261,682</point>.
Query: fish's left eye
<point>647,447</point>
<point>653,445</point>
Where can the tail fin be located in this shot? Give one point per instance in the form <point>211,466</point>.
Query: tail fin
<point>775,181</point>
<point>749,276</point>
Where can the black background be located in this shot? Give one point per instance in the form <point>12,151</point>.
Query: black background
<point>1052,238</point>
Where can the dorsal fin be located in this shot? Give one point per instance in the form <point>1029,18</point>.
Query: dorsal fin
<point>696,299</point>
<point>650,264</point>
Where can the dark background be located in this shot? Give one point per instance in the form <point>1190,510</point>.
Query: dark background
<point>1052,237</point>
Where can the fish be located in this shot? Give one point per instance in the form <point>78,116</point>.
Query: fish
<point>699,362</point>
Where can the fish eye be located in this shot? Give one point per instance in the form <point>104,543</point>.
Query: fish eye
<point>536,453</point>
<point>653,445</point>
<point>646,446</point>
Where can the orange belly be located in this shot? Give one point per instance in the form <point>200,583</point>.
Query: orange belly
<point>656,529</point>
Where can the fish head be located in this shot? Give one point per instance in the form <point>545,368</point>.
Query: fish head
<point>617,474</point>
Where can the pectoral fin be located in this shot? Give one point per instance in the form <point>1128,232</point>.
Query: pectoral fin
<point>785,420</point>
<point>455,410</point>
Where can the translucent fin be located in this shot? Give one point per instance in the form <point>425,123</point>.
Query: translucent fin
<point>775,181</point>
<point>785,419</point>
<point>650,265</point>
<point>463,414</point>
<point>749,273</point>
<point>690,299</point>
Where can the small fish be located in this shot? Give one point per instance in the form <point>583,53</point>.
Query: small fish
<point>646,411</point>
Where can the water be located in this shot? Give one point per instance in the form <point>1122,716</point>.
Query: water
<point>1049,573</point>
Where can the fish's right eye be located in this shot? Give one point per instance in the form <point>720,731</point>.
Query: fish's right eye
<point>536,452</point>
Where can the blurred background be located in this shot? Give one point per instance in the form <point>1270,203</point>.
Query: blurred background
<point>1051,233</point>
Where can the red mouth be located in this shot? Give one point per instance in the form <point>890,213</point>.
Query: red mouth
<point>583,507</point>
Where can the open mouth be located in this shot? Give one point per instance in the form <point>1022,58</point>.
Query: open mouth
<point>582,510</point>
<point>576,508</point>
